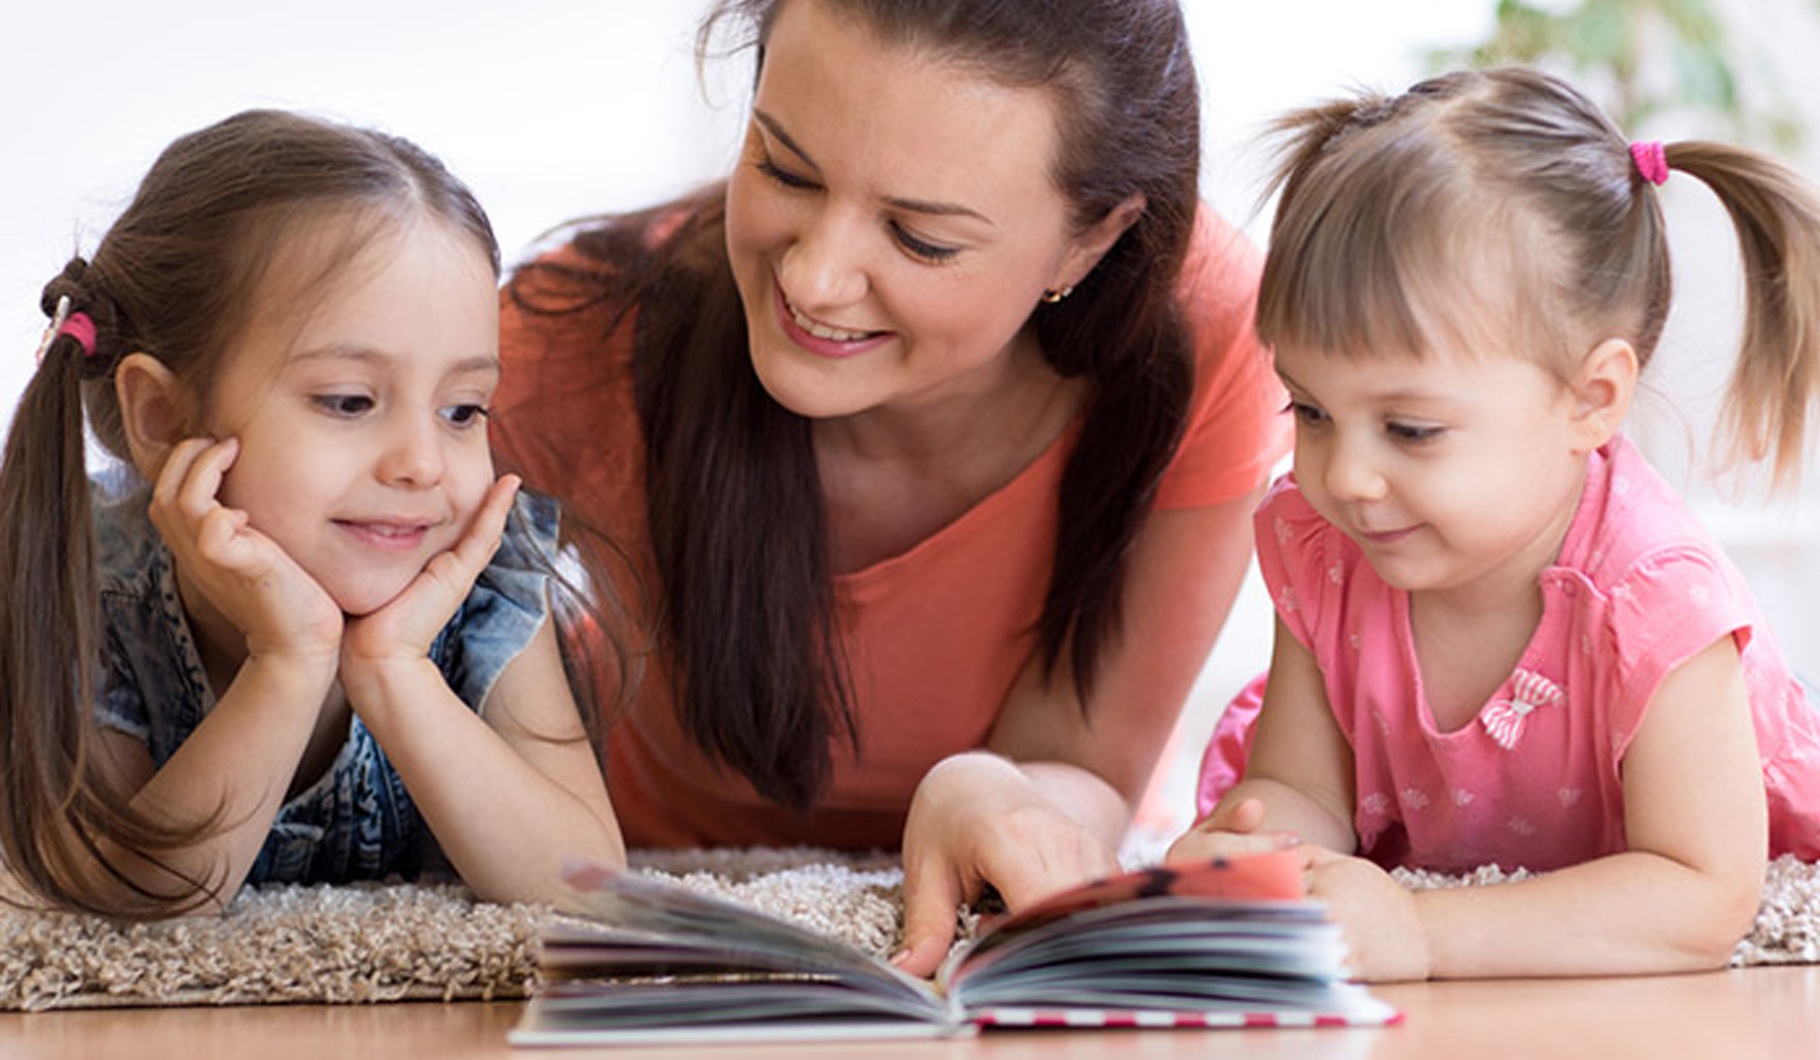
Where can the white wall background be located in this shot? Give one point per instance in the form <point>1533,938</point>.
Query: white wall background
<point>566,107</point>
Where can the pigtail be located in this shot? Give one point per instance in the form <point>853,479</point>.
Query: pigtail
<point>51,644</point>
<point>1777,376</point>
<point>64,823</point>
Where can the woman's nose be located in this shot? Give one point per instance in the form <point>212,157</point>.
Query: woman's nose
<point>825,266</point>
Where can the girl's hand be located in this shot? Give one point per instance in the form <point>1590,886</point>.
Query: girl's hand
<point>404,629</point>
<point>1378,916</point>
<point>1231,829</point>
<point>242,574</point>
<point>976,819</point>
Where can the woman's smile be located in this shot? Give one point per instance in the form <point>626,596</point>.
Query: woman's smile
<point>823,340</point>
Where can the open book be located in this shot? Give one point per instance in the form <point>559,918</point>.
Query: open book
<point>1229,943</point>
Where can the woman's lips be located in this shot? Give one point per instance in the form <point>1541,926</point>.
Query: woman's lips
<point>821,339</point>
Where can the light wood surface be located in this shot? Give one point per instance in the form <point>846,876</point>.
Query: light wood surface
<point>1734,1015</point>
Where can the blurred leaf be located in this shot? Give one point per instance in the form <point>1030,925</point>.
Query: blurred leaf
<point>1703,76</point>
<point>1651,57</point>
<point>1600,33</point>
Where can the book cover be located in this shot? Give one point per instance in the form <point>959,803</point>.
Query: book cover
<point>1225,943</point>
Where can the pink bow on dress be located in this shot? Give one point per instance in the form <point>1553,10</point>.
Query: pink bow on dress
<point>1504,718</point>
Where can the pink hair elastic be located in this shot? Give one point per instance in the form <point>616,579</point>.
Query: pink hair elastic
<point>1652,161</point>
<point>78,326</point>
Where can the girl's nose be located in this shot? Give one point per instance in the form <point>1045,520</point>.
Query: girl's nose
<point>1352,474</point>
<point>413,456</point>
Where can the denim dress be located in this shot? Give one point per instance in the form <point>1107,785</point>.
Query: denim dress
<point>357,821</point>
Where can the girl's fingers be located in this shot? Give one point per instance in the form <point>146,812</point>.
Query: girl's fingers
<point>1240,815</point>
<point>482,538</point>
<point>192,475</point>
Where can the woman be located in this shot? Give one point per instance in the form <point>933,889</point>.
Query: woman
<point>934,456</point>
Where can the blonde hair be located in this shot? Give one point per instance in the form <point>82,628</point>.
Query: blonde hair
<point>1511,187</point>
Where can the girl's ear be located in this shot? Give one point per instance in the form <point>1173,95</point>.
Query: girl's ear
<point>1603,391</point>
<point>1090,246</point>
<point>155,410</point>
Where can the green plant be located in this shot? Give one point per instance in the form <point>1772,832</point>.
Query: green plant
<point>1646,59</point>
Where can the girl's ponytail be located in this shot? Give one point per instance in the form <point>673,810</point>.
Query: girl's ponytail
<point>1776,379</point>
<point>50,628</point>
<point>64,823</point>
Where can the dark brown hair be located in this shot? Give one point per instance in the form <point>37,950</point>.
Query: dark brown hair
<point>735,501</point>
<point>1508,195</point>
<point>174,277</point>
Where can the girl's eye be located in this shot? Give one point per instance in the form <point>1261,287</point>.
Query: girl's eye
<point>921,248</point>
<point>346,406</point>
<point>465,415</point>
<point>1413,433</point>
<point>1306,413</point>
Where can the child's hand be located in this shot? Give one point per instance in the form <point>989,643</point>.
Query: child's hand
<point>1378,915</point>
<point>242,574</point>
<point>404,628</point>
<point>1231,829</point>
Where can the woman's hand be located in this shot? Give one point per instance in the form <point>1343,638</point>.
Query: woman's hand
<point>978,819</point>
<point>403,630</point>
<point>242,574</point>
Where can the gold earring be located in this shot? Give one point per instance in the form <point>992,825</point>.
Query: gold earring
<point>1056,294</point>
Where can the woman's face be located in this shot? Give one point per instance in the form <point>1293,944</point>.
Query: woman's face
<point>892,222</point>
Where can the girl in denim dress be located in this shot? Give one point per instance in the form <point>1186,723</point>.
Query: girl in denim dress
<point>300,633</point>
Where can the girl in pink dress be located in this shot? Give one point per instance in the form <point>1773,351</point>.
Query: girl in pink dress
<point>1501,638</point>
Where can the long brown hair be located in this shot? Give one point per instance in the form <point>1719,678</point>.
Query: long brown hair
<point>175,277</point>
<point>1390,207</point>
<point>735,501</point>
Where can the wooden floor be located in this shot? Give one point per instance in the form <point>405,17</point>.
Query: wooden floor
<point>1735,1015</point>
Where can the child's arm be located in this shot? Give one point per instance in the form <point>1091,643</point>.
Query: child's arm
<point>236,767</point>
<point>1679,899</point>
<point>512,792</point>
<point>1298,777</point>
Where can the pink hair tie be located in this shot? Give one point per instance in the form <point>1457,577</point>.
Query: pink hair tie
<point>81,328</point>
<point>78,326</point>
<point>1652,161</point>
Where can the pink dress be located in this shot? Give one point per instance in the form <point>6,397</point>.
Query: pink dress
<point>1534,781</point>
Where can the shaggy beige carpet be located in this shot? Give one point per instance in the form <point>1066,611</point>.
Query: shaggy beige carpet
<point>394,942</point>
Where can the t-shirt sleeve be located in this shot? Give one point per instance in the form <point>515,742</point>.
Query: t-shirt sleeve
<point>1295,549</point>
<point>509,602</point>
<point>1237,429</point>
<point>1668,607</point>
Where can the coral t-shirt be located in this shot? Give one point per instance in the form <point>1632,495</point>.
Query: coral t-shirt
<point>934,637</point>
<point>1536,779</point>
